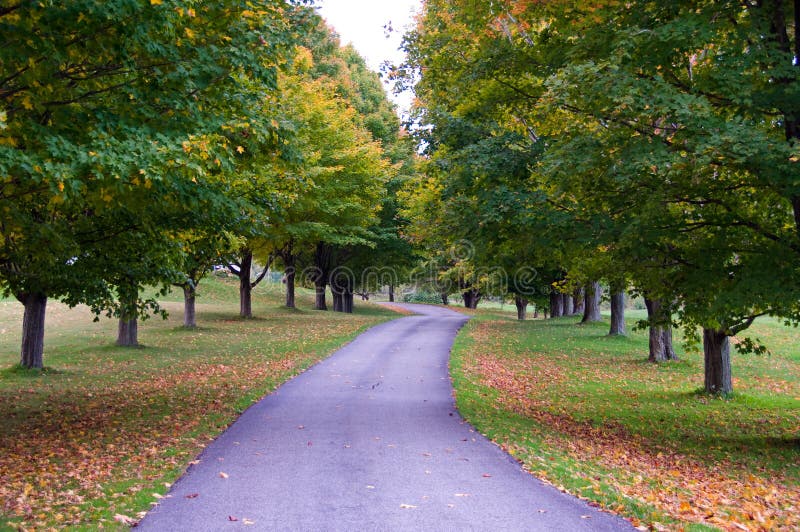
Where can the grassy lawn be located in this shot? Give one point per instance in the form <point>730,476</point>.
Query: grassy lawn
<point>589,414</point>
<point>105,430</point>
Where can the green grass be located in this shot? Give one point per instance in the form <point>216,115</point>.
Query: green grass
<point>588,413</point>
<point>102,429</point>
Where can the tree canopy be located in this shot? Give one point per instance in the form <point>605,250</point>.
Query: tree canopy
<point>661,140</point>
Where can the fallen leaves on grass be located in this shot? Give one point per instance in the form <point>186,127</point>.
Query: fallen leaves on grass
<point>719,492</point>
<point>84,443</point>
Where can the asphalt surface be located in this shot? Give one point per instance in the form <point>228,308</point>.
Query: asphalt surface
<point>368,439</point>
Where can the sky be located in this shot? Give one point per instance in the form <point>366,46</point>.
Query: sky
<point>361,22</point>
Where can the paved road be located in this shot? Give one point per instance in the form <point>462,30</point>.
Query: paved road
<point>369,439</point>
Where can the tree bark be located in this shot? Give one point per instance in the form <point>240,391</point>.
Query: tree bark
<point>578,302</point>
<point>189,314</point>
<point>660,343</point>
<point>128,327</point>
<point>319,287</point>
<point>32,349</point>
<point>591,311</point>
<point>322,265</point>
<point>669,350</point>
<point>567,306</point>
<point>522,307</point>
<point>617,314</point>
<point>471,298</point>
<point>245,288</point>
<point>338,304</point>
<point>347,301</point>
<point>717,352</point>
<point>391,293</point>
<point>128,332</point>
<point>556,305</point>
<point>289,276</point>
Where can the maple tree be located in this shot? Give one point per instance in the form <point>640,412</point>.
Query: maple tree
<point>667,129</point>
<point>346,137</point>
<point>101,100</point>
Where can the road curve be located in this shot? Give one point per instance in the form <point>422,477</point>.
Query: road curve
<point>368,439</point>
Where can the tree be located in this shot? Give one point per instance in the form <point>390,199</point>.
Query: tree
<point>347,139</point>
<point>99,100</point>
<point>661,138</point>
<point>202,249</point>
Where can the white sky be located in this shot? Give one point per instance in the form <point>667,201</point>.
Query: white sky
<point>362,22</point>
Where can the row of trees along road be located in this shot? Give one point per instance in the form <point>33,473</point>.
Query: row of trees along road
<point>144,141</point>
<point>650,145</point>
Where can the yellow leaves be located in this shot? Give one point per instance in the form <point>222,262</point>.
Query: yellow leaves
<point>239,149</point>
<point>26,102</point>
<point>189,33</point>
<point>190,12</point>
<point>303,58</point>
<point>61,186</point>
<point>156,2</point>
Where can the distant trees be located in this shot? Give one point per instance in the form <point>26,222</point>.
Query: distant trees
<point>352,159</point>
<point>661,145</point>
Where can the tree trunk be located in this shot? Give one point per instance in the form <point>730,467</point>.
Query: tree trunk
<point>32,349</point>
<point>471,298</point>
<point>717,351</point>
<point>522,307</point>
<point>567,306</point>
<point>128,332</point>
<point>189,314</point>
<point>535,311</point>
<point>669,350</point>
<point>347,301</point>
<point>338,305</point>
<point>245,288</point>
<point>445,299</point>
<point>591,311</point>
<point>322,270</point>
<point>578,302</point>
<point>391,293</point>
<point>319,287</point>
<point>617,314</point>
<point>661,348</point>
<point>128,328</point>
<point>556,305</point>
<point>288,276</point>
